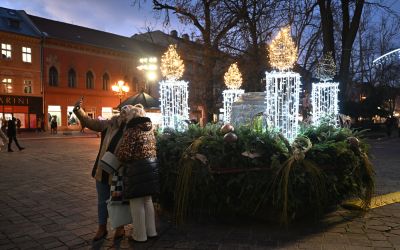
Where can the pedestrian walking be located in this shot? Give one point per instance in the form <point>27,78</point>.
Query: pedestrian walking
<point>38,124</point>
<point>12,134</point>
<point>109,129</point>
<point>389,125</point>
<point>53,125</point>
<point>3,140</point>
<point>140,172</point>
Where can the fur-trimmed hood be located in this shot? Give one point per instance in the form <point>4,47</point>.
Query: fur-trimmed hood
<point>143,123</point>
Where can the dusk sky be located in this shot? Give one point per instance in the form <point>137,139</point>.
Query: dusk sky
<point>114,16</point>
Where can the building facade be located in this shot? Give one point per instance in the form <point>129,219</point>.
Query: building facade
<point>21,92</point>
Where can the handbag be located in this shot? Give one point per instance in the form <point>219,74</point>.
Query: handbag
<point>109,162</point>
<point>118,210</point>
<point>119,213</point>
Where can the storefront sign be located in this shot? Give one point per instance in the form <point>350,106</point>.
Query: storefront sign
<point>14,100</point>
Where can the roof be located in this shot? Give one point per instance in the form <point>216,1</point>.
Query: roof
<point>163,39</point>
<point>143,98</point>
<point>82,35</point>
<point>17,21</point>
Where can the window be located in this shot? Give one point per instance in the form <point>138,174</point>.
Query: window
<point>7,85</point>
<point>71,78</point>
<point>5,51</point>
<point>106,80</point>
<point>28,86</point>
<point>26,54</point>
<point>53,76</point>
<point>89,80</point>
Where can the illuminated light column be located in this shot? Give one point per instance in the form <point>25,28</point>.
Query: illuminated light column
<point>283,86</point>
<point>324,95</point>
<point>233,80</point>
<point>173,92</point>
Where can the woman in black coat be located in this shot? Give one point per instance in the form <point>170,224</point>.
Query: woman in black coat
<point>137,153</point>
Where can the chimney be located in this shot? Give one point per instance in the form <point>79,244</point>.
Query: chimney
<point>174,33</point>
<point>185,37</point>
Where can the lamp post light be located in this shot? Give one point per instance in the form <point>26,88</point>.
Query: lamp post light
<point>120,89</point>
<point>149,66</point>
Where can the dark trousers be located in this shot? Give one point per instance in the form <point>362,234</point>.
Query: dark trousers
<point>10,139</point>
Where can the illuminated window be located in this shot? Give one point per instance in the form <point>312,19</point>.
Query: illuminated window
<point>7,85</point>
<point>5,51</point>
<point>72,78</point>
<point>53,76</point>
<point>106,80</point>
<point>26,54</point>
<point>28,86</point>
<point>89,80</point>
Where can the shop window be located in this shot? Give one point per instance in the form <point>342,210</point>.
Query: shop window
<point>89,80</point>
<point>72,78</point>
<point>53,76</point>
<point>5,51</point>
<point>54,112</point>
<point>71,117</point>
<point>28,86</point>
<point>106,80</point>
<point>7,85</point>
<point>26,54</point>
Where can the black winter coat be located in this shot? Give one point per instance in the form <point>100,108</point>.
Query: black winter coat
<point>141,178</point>
<point>137,152</point>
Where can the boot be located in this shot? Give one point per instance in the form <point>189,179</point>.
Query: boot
<point>101,233</point>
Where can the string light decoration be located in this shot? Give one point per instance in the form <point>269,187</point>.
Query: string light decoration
<point>172,66</point>
<point>324,95</point>
<point>173,92</point>
<point>233,77</point>
<point>233,80</point>
<point>324,100</point>
<point>283,51</point>
<point>283,87</point>
<point>282,100</point>
<point>230,96</point>
<point>174,104</point>
<point>326,68</point>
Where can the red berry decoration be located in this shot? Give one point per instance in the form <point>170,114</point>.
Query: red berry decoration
<point>230,137</point>
<point>227,128</point>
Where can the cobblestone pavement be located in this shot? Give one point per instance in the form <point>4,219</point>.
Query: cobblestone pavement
<point>48,201</point>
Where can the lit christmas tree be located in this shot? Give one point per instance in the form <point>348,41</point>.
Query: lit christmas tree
<point>172,66</point>
<point>283,51</point>
<point>233,80</point>
<point>326,68</point>
<point>173,92</point>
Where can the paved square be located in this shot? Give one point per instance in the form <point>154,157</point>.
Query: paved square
<point>48,201</point>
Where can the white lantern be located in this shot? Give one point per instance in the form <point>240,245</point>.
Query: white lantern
<point>324,100</point>
<point>282,99</point>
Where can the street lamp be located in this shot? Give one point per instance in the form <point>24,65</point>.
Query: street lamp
<point>149,66</point>
<point>120,89</point>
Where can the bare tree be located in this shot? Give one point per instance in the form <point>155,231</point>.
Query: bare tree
<point>213,20</point>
